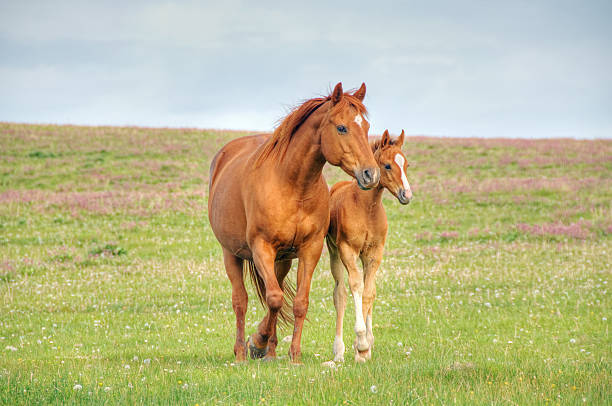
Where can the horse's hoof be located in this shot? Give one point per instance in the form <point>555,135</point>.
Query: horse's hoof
<point>255,352</point>
<point>339,358</point>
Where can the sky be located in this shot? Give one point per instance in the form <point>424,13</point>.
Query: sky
<point>445,68</point>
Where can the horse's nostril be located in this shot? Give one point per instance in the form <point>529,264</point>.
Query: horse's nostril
<point>367,175</point>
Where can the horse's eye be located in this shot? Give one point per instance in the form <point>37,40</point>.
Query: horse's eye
<point>341,129</point>
<point>387,166</point>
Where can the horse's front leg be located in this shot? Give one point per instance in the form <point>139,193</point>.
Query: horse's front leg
<point>308,257</point>
<point>281,268</point>
<point>264,255</point>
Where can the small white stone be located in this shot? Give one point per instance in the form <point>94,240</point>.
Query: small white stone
<point>330,364</point>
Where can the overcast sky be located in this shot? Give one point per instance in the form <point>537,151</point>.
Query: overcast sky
<point>452,68</point>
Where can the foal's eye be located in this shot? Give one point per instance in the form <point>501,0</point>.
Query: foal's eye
<point>387,166</point>
<point>341,129</point>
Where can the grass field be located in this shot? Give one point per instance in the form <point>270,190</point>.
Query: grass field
<point>495,287</point>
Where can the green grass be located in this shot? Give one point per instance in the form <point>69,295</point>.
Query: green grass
<point>494,288</point>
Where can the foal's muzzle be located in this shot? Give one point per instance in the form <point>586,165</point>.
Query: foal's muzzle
<point>404,196</point>
<point>367,178</point>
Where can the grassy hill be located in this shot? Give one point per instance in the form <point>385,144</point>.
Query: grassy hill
<point>494,287</point>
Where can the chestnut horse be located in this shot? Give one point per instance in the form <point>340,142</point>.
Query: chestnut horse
<point>358,229</point>
<point>268,204</point>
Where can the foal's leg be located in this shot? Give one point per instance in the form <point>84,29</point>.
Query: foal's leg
<point>348,256</point>
<point>263,256</point>
<point>371,260</point>
<point>308,256</point>
<point>337,270</point>
<point>233,268</point>
<point>281,268</point>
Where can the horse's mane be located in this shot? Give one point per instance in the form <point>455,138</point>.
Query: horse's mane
<point>277,144</point>
<point>377,143</point>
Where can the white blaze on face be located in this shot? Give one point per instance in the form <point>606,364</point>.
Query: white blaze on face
<point>358,119</point>
<point>399,160</point>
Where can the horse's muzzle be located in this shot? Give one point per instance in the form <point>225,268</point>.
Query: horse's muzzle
<point>404,196</point>
<point>367,178</point>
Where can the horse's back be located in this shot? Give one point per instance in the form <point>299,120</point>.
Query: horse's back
<point>237,151</point>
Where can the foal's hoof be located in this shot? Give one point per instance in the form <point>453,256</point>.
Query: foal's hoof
<point>255,352</point>
<point>361,357</point>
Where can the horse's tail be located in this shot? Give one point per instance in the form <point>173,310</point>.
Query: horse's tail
<point>286,312</point>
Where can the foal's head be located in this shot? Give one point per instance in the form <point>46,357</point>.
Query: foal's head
<point>344,137</point>
<point>393,164</point>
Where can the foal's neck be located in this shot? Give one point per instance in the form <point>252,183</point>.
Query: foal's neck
<point>371,197</point>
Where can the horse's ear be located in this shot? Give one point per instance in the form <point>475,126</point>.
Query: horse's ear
<point>400,139</point>
<point>337,93</point>
<point>360,93</point>
<point>384,140</point>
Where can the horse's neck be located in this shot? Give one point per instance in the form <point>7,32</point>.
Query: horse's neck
<point>303,161</point>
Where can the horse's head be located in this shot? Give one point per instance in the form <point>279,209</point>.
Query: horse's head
<point>393,164</point>
<point>344,137</point>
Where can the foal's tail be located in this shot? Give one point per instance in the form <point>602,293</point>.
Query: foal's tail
<point>286,312</point>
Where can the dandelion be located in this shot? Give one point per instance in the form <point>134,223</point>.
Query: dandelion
<point>126,366</point>
<point>77,387</point>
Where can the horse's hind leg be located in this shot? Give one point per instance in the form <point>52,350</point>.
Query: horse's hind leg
<point>233,268</point>
<point>281,268</point>
<point>337,270</point>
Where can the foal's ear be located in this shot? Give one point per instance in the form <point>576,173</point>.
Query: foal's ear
<point>337,93</point>
<point>384,140</point>
<point>400,139</point>
<point>360,93</point>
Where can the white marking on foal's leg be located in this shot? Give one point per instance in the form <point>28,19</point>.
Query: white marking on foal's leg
<point>338,349</point>
<point>399,160</point>
<point>360,327</point>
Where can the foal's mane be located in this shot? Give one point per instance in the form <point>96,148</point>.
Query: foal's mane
<point>377,143</point>
<point>276,145</point>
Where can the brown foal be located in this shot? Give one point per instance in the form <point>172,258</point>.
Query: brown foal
<point>358,229</point>
<point>269,204</point>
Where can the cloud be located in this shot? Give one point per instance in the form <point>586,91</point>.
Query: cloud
<point>445,68</point>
